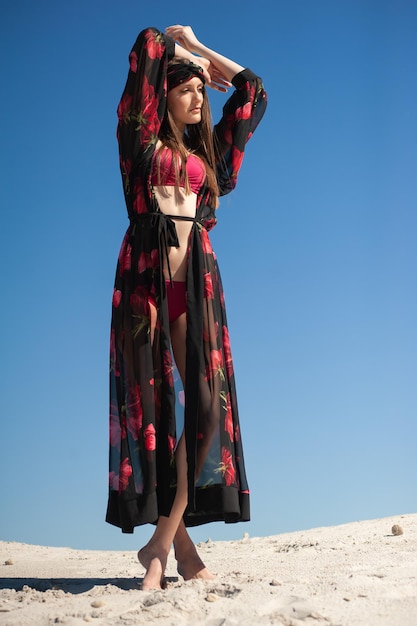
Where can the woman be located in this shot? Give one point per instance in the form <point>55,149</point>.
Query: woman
<point>168,303</point>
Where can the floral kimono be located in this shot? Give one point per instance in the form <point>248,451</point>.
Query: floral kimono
<point>144,398</point>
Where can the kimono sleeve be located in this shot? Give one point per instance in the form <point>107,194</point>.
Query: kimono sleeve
<point>142,106</point>
<point>241,115</point>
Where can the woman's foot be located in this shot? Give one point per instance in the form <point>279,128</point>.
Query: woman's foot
<point>154,561</point>
<point>189,564</point>
<point>194,569</point>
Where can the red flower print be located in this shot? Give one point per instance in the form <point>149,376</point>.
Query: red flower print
<point>228,420</point>
<point>125,258</point>
<point>216,363</point>
<point>154,259</point>
<point>154,45</point>
<point>208,286</point>
<point>133,61</point>
<point>125,473</point>
<point>227,468</point>
<point>244,112</point>
<point>150,132</point>
<point>205,242</point>
<point>123,110</point>
<point>150,437</point>
<point>139,203</point>
<point>227,352</point>
<point>148,120</point>
<point>209,223</point>
<point>237,158</point>
<point>172,442</point>
<point>117,296</point>
<point>148,260</point>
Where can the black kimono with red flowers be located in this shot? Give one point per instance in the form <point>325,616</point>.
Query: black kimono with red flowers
<point>144,398</point>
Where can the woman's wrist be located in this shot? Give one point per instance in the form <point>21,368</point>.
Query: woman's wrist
<point>182,53</point>
<point>200,50</point>
<point>228,67</point>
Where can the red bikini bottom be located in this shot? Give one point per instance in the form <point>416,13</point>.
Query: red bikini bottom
<point>177,299</point>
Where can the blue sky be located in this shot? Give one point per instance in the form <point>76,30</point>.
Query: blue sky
<point>316,247</point>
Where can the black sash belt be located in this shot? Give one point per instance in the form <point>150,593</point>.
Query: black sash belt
<point>165,227</point>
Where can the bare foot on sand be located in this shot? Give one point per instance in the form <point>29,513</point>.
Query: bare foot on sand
<point>155,565</point>
<point>190,566</point>
<point>191,572</point>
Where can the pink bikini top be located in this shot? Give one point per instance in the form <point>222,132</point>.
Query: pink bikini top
<point>196,171</point>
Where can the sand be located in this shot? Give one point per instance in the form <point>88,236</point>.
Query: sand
<point>357,574</point>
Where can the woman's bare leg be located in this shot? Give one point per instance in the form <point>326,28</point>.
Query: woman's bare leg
<point>154,555</point>
<point>171,529</point>
<point>189,563</point>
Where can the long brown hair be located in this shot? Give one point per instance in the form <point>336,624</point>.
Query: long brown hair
<point>198,139</point>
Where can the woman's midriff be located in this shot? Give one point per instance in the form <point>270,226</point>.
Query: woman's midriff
<point>174,201</point>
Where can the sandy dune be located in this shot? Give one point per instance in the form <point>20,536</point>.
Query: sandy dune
<point>357,574</point>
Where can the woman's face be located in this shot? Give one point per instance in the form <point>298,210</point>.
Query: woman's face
<point>185,102</point>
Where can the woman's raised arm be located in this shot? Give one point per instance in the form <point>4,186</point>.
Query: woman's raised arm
<point>226,68</point>
<point>143,102</point>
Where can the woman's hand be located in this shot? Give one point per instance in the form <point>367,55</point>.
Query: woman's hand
<point>184,36</point>
<point>222,70</point>
<point>214,78</point>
